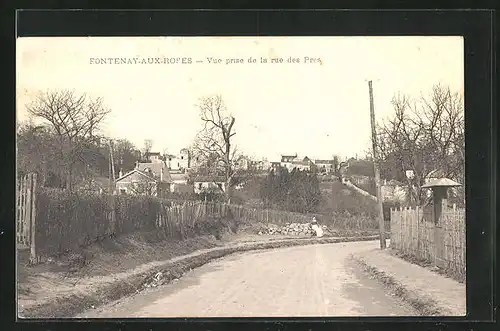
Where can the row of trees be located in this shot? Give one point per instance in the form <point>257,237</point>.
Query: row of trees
<point>66,146</point>
<point>62,141</point>
<point>296,191</point>
<point>424,135</point>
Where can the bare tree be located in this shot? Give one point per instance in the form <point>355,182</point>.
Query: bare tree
<point>74,119</point>
<point>148,144</point>
<point>424,135</point>
<point>214,143</point>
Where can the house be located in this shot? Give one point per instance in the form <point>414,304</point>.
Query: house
<point>304,164</point>
<point>261,165</point>
<point>204,183</point>
<point>154,157</point>
<point>288,158</point>
<point>275,165</point>
<point>243,163</point>
<point>325,166</point>
<point>151,178</point>
<point>181,161</point>
<point>286,161</point>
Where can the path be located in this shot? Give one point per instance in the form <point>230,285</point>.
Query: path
<point>317,280</point>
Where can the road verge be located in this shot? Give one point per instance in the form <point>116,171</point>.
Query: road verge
<point>420,301</point>
<point>71,304</point>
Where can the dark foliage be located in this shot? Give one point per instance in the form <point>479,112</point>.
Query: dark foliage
<point>296,191</point>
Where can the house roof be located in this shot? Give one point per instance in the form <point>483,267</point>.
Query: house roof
<point>156,167</point>
<point>141,167</point>
<point>154,153</point>
<point>136,171</point>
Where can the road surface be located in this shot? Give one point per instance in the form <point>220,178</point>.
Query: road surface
<point>316,280</point>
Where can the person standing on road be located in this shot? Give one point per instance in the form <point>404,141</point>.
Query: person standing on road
<point>318,231</point>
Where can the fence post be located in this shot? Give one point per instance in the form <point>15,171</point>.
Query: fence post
<point>27,208</point>
<point>33,256</point>
<point>417,211</point>
<point>26,225</point>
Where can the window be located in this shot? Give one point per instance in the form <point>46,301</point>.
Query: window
<point>182,157</point>
<point>200,186</point>
<point>123,191</point>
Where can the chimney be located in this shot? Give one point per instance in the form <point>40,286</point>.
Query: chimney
<point>161,175</point>
<point>120,174</point>
<point>136,164</point>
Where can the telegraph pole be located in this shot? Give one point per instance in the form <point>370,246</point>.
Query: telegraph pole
<point>112,187</point>
<point>377,170</point>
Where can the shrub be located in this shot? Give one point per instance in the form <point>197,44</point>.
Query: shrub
<point>66,221</point>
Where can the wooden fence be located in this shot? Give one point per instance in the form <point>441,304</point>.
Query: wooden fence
<point>190,212</point>
<point>67,222</point>
<point>414,232</point>
<point>26,213</point>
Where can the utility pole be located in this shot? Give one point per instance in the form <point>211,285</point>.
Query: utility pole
<point>112,183</point>
<point>377,170</point>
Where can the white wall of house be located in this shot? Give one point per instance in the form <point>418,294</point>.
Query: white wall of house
<point>327,167</point>
<point>155,158</point>
<point>302,167</point>
<point>178,162</point>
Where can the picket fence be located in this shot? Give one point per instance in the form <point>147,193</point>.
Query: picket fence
<point>413,233</point>
<point>188,213</point>
<point>26,213</point>
<point>68,223</point>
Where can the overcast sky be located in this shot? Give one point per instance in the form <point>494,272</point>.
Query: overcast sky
<point>315,109</point>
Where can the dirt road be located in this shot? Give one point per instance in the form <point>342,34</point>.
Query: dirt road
<point>317,280</point>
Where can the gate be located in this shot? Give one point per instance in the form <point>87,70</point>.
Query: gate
<point>26,213</point>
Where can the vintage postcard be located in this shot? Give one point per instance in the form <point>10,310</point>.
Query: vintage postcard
<point>240,177</point>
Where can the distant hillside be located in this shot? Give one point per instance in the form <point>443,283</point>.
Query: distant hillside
<point>337,197</point>
<point>360,168</point>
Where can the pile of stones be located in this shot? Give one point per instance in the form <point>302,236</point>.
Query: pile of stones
<point>290,229</point>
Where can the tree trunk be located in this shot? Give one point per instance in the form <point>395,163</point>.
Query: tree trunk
<point>69,177</point>
<point>228,189</point>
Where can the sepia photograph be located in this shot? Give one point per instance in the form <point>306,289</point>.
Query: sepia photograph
<point>196,177</point>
